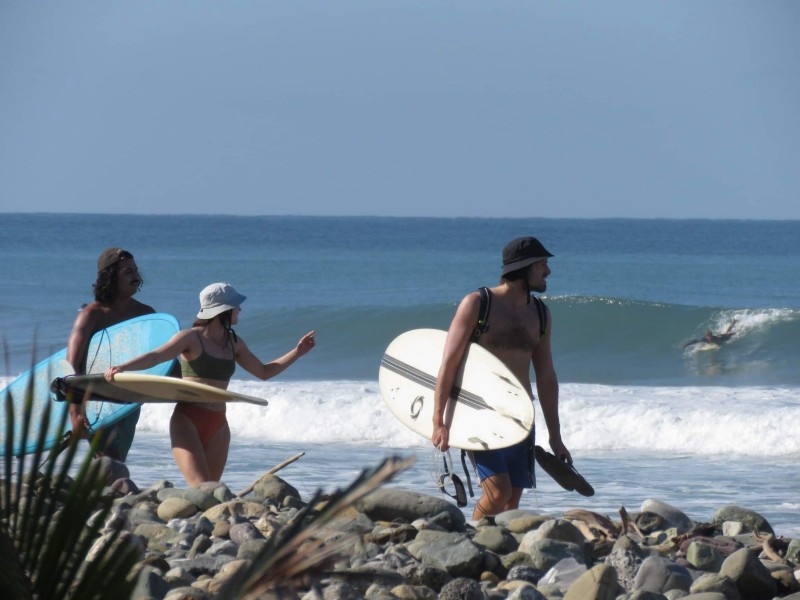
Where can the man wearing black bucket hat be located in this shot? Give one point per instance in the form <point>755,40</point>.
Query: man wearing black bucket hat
<point>517,331</point>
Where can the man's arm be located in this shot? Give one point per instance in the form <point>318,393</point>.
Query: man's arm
<point>458,336</point>
<point>547,388</point>
<point>77,345</point>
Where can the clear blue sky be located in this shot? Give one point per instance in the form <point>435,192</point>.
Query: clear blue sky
<point>680,108</point>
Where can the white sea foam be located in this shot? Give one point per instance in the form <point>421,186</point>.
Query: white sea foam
<point>750,421</point>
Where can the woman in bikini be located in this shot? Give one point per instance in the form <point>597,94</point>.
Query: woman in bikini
<point>209,352</point>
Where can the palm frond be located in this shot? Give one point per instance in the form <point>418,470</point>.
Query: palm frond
<point>49,521</point>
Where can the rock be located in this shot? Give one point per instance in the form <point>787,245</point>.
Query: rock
<point>749,519</point>
<point>672,516</point>
<point>505,518</point>
<point>714,582</point>
<point>598,583</point>
<point>110,470</point>
<point>451,552</point>
<point>175,507</point>
<point>389,504</point>
<point>244,532</point>
<point>526,523</point>
<point>187,593</point>
<point>704,557</point>
<point>272,486</point>
<point>496,539</point>
<point>243,508</point>
<point>546,553</point>
<point>413,592</point>
<point>526,592</point>
<point>150,584</point>
<point>751,577</point>
<point>554,529</point>
<point>431,577</point>
<point>659,575</point>
<point>625,557</point>
<point>462,589</point>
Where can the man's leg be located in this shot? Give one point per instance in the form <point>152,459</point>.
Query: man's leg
<point>497,495</point>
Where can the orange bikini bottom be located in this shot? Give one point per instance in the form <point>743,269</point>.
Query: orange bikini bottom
<point>207,422</point>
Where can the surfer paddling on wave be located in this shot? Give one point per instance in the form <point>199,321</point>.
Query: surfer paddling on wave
<point>517,335</point>
<point>209,353</point>
<point>117,281</point>
<point>713,338</point>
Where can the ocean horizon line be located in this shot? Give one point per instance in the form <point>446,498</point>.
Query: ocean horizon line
<point>399,217</point>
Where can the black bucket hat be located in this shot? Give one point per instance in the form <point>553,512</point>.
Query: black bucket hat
<point>522,252</point>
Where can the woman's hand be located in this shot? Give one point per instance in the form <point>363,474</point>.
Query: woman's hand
<point>306,343</point>
<point>110,372</point>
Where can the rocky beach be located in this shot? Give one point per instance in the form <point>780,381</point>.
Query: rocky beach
<point>398,543</point>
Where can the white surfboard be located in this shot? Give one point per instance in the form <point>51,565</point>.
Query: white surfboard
<point>489,408</point>
<point>135,388</point>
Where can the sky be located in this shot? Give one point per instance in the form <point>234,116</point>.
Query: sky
<point>584,109</point>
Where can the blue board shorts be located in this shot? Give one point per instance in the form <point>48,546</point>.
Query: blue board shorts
<point>515,460</point>
<point>116,439</point>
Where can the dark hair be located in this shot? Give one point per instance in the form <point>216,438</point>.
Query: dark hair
<point>105,288</point>
<point>516,275</point>
<point>225,321</point>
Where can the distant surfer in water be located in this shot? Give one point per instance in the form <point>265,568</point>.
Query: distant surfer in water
<point>118,280</point>
<point>518,333</point>
<point>209,352</point>
<point>711,338</point>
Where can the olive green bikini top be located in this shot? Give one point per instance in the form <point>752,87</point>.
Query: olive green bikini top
<point>206,366</point>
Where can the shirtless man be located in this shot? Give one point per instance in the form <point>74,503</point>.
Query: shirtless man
<point>118,280</point>
<point>515,337</point>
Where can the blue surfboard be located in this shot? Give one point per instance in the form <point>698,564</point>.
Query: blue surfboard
<point>112,346</point>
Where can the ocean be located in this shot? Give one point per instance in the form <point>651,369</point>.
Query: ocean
<point>643,416</point>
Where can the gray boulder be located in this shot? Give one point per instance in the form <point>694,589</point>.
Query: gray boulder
<point>672,516</point>
<point>749,574</point>
<point>451,552</point>
<point>387,504</point>
<point>749,518</point>
<point>659,575</point>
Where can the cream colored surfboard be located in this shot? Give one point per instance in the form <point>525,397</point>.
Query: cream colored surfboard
<point>133,387</point>
<point>489,408</point>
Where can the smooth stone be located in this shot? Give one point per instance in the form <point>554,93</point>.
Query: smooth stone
<point>748,518</point>
<point>394,503</point>
<point>749,574</point>
<point>175,507</point>
<point>704,557</point>
<point>673,517</point>
<point>243,508</point>
<point>659,575</point>
<point>598,583</point>
<point>496,539</point>
<point>555,530</point>
<point>244,532</point>
<point>452,552</point>
<point>546,553</point>
<point>413,592</point>
<point>714,582</point>
<point>270,486</point>
<point>150,584</point>
<point>111,470</point>
<point>527,523</point>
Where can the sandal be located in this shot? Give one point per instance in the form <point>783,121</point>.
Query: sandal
<point>563,473</point>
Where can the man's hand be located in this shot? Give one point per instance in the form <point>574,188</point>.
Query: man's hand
<point>440,437</point>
